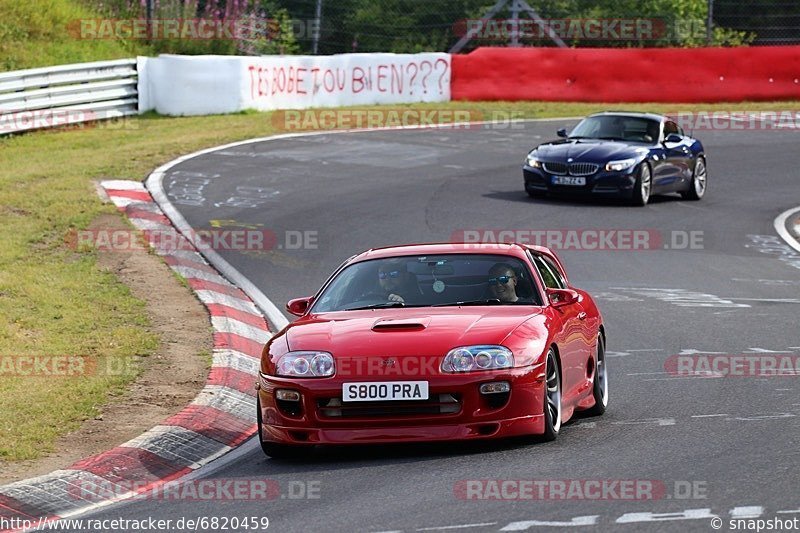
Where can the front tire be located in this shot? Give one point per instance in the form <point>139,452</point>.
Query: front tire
<point>643,186</point>
<point>552,398</point>
<point>697,189</point>
<point>600,383</point>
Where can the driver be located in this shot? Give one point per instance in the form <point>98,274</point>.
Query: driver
<point>503,283</point>
<point>397,283</point>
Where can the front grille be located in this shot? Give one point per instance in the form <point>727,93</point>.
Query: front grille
<point>559,169</point>
<point>574,169</point>
<point>438,404</point>
<point>583,169</point>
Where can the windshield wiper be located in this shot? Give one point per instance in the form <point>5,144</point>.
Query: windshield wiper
<point>610,138</point>
<point>385,305</point>
<point>490,301</point>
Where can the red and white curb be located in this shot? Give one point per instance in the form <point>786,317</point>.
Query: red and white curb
<point>220,418</point>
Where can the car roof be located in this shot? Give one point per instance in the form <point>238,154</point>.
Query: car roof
<point>511,249</point>
<point>651,116</point>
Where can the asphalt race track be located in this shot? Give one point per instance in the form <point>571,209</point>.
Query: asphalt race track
<point>733,440</point>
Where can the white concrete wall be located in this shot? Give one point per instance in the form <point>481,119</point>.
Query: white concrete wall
<point>202,85</point>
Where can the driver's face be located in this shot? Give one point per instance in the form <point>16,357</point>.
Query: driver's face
<point>389,278</point>
<point>503,286</point>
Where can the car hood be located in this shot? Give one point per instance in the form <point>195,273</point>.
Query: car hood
<point>588,150</point>
<point>410,331</point>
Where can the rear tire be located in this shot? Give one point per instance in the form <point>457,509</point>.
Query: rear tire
<point>643,186</point>
<point>275,450</point>
<point>600,383</point>
<point>697,188</point>
<point>552,398</point>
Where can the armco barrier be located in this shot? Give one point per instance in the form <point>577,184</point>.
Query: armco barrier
<point>67,94</point>
<point>628,75</point>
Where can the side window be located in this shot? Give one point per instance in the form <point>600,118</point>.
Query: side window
<point>556,272</point>
<point>550,275</point>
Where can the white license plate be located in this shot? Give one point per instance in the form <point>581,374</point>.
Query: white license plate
<point>568,180</point>
<point>372,391</point>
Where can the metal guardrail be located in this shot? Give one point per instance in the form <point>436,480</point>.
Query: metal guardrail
<point>67,94</point>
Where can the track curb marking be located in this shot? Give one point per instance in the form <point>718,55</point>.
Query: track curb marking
<point>217,420</point>
<point>792,237</point>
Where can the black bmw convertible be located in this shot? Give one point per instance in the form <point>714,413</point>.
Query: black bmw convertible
<point>619,155</point>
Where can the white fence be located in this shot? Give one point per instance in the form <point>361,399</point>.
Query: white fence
<point>67,94</point>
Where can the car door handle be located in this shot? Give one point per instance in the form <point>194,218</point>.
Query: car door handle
<point>582,315</point>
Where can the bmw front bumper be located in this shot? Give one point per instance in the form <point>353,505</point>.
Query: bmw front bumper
<point>601,183</point>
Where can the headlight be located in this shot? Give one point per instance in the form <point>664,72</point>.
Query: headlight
<point>306,365</point>
<point>533,161</point>
<point>472,358</point>
<point>622,164</point>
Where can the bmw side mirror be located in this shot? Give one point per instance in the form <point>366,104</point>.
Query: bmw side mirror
<point>562,132</point>
<point>673,138</point>
<point>299,306</point>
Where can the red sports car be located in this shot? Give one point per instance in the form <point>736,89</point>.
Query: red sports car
<point>433,342</point>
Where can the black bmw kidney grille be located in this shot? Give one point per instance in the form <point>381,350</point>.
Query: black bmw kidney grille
<point>555,168</point>
<point>574,169</point>
<point>439,404</point>
<point>583,169</point>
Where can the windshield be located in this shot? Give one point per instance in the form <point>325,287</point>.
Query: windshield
<point>617,128</point>
<point>422,281</point>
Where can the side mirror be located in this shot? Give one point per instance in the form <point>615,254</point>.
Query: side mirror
<point>562,132</point>
<point>561,297</point>
<point>673,138</point>
<point>299,306</point>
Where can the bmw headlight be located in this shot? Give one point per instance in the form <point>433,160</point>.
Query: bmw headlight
<point>622,164</point>
<point>306,365</point>
<point>481,357</point>
<point>533,161</point>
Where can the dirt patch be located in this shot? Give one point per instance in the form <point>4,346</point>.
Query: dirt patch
<point>171,377</point>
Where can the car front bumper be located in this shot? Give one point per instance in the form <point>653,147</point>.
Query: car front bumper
<point>478,416</point>
<point>602,183</point>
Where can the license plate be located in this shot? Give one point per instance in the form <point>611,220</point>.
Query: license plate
<point>568,180</point>
<point>384,391</point>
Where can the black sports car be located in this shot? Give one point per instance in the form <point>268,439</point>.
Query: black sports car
<point>622,155</point>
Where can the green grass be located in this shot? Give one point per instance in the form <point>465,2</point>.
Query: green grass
<point>40,33</point>
<point>55,300</point>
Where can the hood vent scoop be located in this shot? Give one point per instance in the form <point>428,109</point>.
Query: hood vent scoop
<point>404,324</point>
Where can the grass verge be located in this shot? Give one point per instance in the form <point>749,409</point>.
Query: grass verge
<point>54,299</point>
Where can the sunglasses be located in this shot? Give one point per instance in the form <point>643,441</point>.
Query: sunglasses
<point>500,279</point>
<point>393,274</point>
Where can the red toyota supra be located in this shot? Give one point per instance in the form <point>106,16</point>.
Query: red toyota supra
<point>433,342</point>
